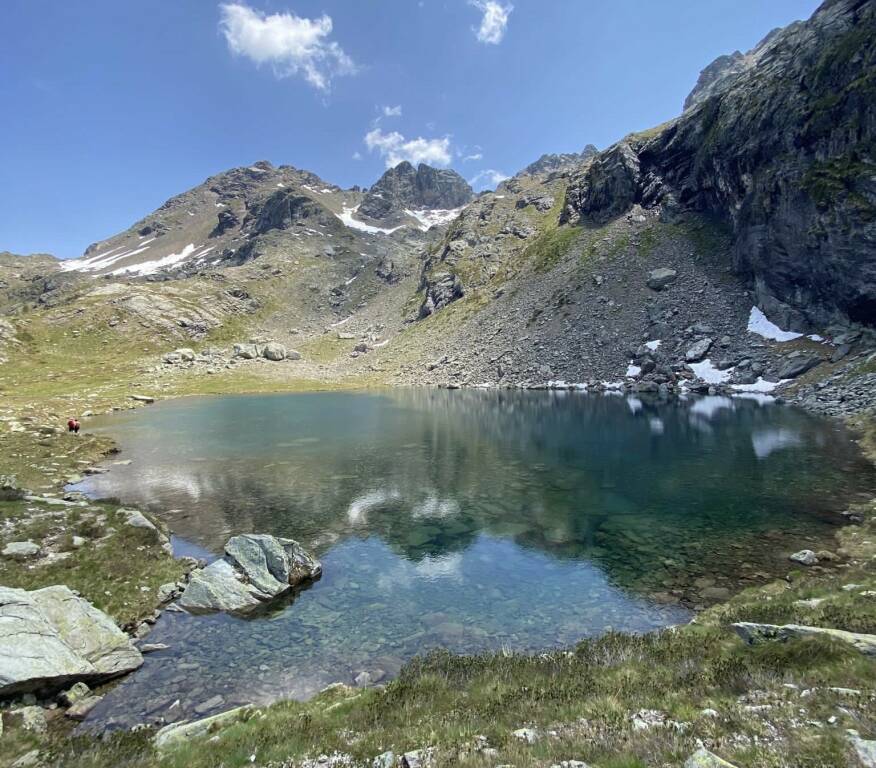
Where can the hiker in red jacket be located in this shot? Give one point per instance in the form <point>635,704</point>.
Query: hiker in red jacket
<point>73,425</point>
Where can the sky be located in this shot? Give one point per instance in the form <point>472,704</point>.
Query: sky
<point>110,108</point>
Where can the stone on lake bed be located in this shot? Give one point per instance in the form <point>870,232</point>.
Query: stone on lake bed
<point>256,569</point>
<point>51,637</point>
<point>804,557</point>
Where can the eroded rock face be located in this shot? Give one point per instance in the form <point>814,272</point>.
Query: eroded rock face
<point>782,151</point>
<point>256,569</point>
<point>441,289</point>
<point>51,637</point>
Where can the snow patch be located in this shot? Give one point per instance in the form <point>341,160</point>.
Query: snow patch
<point>433,217</point>
<point>761,385</point>
<point>653,345</point>
<point>346,216</point>
<point>708,373</point>
<point>632,370</point>
<point>172,259</point>
<point>760,324</point>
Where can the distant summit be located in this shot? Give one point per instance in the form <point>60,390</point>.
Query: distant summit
<point>558,162</point>
<point>407,188</point>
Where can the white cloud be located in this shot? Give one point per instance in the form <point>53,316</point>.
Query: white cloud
<point>488,179</point>
<point>475,156</point>
<point>290,44</point>
<point>494,21</point>
<point>395,148</point>
<point>392,111</point>
<point>357,155</point>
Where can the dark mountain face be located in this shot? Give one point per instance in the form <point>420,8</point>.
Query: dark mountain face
<point>406,187</point>
<point>783,151</point>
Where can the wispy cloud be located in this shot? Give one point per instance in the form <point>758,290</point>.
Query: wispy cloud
<point>395,111</point>
<point>494,21</point>
<point>470,158</point>
<point>488,179</point>
<point>394,148</point>
<point>291,45</point>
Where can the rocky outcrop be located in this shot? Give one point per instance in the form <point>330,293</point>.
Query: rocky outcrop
<point>760,633</point>
<point>51,637</point>
<point>405,187</point>
<point>255,570</point>
<point>782,151</point>
<point>441,289</point>
<point>558,163</point>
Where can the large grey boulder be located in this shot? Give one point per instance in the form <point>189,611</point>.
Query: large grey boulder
<point>9,488</point>
<point>797,366</point>
<point>754,634</point>
<point>20,550</point>
<point>177,734</point>
<point>658,279</point>
<point>274,351</point>
<point>256,569</point>
<point>246,351</point>
<point>51,637</point>
<point>698,351</point>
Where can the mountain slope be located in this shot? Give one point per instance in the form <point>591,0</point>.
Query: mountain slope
<point>782,150</point>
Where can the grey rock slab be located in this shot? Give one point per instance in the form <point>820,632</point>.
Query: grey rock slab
<point>865,749</point>
<point>804,557</point>
<point>274,351</point>
<point>262,560</point>
<point>80,710</point>
<point>179,733</point>
<point>758,633</point>
<point>702,758</point>
<point>21,550</point>
<point>51,637</point>
<point>797,366</point>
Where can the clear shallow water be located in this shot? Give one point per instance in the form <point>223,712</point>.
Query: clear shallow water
<point>467,520</point>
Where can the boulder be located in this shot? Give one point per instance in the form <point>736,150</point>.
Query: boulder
<point>658,279</point>
<point>9,490</point>
<point>246,351</point>
<point>865,749</point>
<point>698,351</point>
<point>274,351</point>
<point>80,710</point>
<point>256,569</point>
<point>21,550</point>
<point>797,366</point>
<point>753,634</point>
<point>51,637</point>
<point>804,557</point>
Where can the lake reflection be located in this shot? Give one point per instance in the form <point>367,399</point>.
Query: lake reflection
<point>463,519</point>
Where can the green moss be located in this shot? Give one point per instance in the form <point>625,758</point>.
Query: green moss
<point>548,248</point>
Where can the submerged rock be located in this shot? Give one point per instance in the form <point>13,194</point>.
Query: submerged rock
<point>804,557</point>
<point>256,568</point>
<point>51,637</point>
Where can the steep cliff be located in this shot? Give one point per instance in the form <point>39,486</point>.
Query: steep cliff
<point>783,150</point>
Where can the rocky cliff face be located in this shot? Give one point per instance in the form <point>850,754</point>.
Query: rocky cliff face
<point>558,163</point>
<point>406,188</point>
<point>783,150</point>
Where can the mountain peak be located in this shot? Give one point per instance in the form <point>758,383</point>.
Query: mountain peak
<point>404,187</point>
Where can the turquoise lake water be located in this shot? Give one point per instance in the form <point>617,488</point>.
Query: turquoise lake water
<point>467,520</point>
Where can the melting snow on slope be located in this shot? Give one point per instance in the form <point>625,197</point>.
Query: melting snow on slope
<point>760,324</point>
<point>172,259</point>
<point>653,345</point>
<point>432,217</point>
<point>346,216</point>
<point>633,370</point>
<point>103,260</point>
<point>761,386</point>
<point>707,372</point>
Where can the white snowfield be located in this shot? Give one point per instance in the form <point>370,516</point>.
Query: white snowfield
<point>189,253</point>
<point>103,260</point>
<point>429,218</point>
<point>760,324</point>
<point>346,216</point>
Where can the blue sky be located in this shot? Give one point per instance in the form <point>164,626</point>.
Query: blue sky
<point>112,107</point>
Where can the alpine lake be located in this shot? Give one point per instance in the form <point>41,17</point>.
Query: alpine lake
<point>468,520</point>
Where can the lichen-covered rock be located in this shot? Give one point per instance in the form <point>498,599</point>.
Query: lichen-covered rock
<point>180,733</point>
<point>702,758</point>
<point>256,569</point>
<point>274,351</point>
<point>51,637</point>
